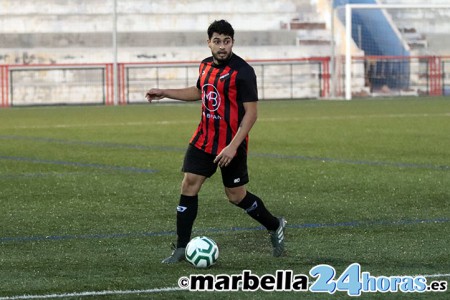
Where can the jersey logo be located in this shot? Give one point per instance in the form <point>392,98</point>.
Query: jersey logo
<point>225,76</point>
<point>211,97</point>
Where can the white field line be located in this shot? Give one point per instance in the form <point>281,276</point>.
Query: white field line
<point>98,293</point>
<point>355,117</point>
<point>131,292</point>
<point>88,125</point>
<point>261,119</point>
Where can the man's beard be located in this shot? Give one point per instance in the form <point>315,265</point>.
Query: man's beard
<point>219,58</point>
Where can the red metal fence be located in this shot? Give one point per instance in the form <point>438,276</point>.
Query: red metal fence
<point>22,85</point>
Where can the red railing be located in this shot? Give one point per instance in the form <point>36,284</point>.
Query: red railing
<point>427,74</point>
<point>7,84</point>
<point>322,80</point>
<point>10,96</point>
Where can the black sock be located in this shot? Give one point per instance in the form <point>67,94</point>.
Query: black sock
<point>186,214</point>
<point>254,206</point>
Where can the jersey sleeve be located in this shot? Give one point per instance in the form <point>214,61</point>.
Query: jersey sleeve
<point>246,85</point>
<point>199,73</point>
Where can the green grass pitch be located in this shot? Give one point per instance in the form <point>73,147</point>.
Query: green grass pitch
<point>88,196</point>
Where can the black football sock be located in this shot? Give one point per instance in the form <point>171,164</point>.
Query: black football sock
<point>254,206</point>
<point>186,214</point>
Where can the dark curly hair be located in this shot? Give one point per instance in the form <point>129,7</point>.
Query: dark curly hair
<point>220,27</point>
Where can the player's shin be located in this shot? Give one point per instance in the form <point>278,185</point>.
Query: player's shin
<point>255,208</point>
<point>186,214</point>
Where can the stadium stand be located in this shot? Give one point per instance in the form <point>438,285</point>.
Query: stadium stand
<point>426,31</point>
<point>81,32</point>
<point>54,31</point>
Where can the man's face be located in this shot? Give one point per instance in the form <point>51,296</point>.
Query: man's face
<point>221,47</point>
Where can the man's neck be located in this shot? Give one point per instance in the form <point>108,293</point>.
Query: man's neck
<point>223,62</point>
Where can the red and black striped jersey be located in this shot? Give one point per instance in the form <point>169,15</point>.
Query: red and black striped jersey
<point>225,88</point>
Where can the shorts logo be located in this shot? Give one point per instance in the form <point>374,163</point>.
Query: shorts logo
<point>237,180</point>
<point>211,97</point>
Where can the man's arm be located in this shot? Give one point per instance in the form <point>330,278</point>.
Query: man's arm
<point>185,94</point>
<point>249,119</point>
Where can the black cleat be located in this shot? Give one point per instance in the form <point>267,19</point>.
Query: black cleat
<point>178,255</point>
<point>277,238</point>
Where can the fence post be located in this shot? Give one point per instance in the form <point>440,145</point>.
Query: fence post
<point>4,85</point>
<point>109,84</point>
<point>325,77</point>
<point>122,84</point>
<point>435,75</point>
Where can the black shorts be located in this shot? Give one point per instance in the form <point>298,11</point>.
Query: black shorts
<point>201,163</point>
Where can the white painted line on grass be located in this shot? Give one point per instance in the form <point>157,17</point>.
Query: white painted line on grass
<point>261,119</point>
<point>97,293</point>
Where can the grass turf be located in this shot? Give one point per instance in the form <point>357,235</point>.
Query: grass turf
<point>88,195</point>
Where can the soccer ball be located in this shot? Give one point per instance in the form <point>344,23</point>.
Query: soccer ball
<point>202,252</point>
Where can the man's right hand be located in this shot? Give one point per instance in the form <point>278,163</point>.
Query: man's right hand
<point>154,94</point>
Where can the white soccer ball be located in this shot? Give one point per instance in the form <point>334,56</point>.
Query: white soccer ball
<point>202,252</point>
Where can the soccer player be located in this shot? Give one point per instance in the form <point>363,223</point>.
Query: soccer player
<point>227,87</point>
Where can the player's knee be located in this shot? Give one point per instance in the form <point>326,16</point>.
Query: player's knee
<point>235,195</point>
<point>191,185</point>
